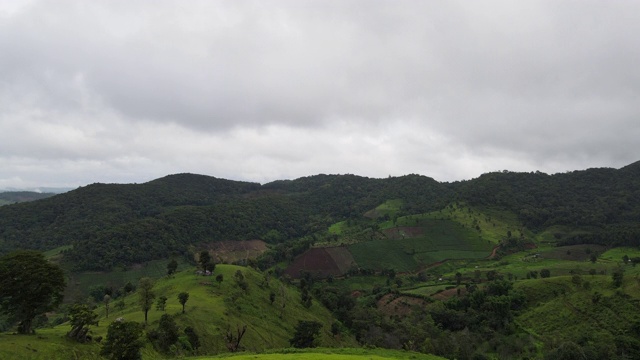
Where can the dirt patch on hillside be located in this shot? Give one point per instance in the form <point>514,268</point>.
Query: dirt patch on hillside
<point>230,251</point>
<point>322,262</point>
<point>403,232</point>
<point>399,305</point>
<point>449,293</point>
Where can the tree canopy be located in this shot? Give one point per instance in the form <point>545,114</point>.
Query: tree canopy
<point>29,286</point>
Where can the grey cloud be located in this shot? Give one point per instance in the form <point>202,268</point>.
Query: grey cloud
<point>447,89</point>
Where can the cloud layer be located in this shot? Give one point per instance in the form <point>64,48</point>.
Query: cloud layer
<point>120,91</point>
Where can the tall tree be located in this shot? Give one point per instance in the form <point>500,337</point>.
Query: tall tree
<point>183,297</point>
<point>29,286</point>
<point>145,295</point>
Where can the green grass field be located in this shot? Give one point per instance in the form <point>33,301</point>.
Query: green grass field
<point>332,354</point>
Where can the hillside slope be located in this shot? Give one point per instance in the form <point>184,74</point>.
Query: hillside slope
<point>212,308</point>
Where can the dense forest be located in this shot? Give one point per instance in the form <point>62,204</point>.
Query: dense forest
<point>110,225</point>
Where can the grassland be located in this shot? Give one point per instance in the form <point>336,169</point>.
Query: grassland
<point>332,354</point>
<point>212,308</point>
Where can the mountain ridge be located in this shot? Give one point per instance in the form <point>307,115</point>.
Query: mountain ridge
<point>169,215</point>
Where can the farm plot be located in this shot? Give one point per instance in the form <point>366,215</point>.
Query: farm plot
<point>323,262</point>
<point>437,241</point>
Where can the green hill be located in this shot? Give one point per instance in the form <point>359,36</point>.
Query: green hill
<point>169,216</point>
<point>212,308</point>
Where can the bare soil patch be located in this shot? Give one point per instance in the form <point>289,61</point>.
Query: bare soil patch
<point>449,293</point>
<point>230,251</point>
<point>322,262</point>
<point>403,232</point>
<point>573,252</point>
<point>401,305</point>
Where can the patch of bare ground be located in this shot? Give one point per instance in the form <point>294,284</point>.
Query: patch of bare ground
<point>403,232</point>
<point>573,252</point>
<point>449,293</point>
<point>400,305</point>
<point>230,251</point>
<point>322,262</point>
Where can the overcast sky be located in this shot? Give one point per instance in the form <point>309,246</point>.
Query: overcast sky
<point>129,91</point>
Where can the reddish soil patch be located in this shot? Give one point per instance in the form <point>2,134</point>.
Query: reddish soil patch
<point>573,252</point>
<point>230,251</point>
<point>449,293</point>
<point>403,232</point>
<point>322,262</point>
<point>391,304</point>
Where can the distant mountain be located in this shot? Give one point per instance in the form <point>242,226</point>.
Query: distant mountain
<point>121,224</point>
<point>42,189</point>
<point>12,197</point>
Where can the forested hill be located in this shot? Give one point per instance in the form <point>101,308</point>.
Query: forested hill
<point>606,201</point>
<point>120,224</point>
<point>12,197</point>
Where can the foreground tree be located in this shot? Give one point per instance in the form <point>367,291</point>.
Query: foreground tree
<point>123,341</point>
<point>29,286</point>
<point>80,318</point>
<point>145,295</point>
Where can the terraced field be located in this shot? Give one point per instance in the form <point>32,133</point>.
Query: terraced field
<point>409,248</point>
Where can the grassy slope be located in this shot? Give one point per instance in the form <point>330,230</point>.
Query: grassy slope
<point>333,354</point>
<point>561,309</point>
<point>451,233</point>
<point>210,309</point>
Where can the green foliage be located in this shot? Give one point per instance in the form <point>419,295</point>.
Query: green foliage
<point>192,337</point>
<point>161,303</point>
<point>172,266</point>
<point>123,341</point>
<point>305,335</point>
<point>29,286</point>
<point>617,277</point>
<point>80,318</point>
<point>166,334</point>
